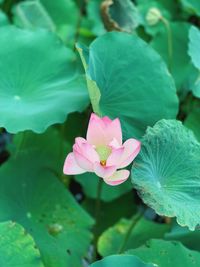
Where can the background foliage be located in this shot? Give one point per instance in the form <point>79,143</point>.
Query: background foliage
<point>136,60</point>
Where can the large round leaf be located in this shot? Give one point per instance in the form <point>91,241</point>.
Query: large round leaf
<point>133,81</point>
<point>167,172</point>
<point>32,195</point>
<point>167,254</point>
<point>121,260</point>
<point>17,248</point>
<point>37,82</point>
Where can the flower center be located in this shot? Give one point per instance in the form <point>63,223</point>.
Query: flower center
<point>103,162</point>
<point>103,152</point>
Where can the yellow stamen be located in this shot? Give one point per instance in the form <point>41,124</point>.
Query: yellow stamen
<point>103,162</point>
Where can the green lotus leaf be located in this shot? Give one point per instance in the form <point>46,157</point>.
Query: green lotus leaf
<point>194,45</point>
<point>167,254</point>
<point>112,239</point>
<point>38,86</point>
<point>17,248</point>
<point>32,195</point>
<point>121,260</point>
<point>167,172</point>
<point>129,80</point>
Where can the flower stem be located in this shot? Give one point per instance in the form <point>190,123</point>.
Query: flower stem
<point>98,200</point>
<point>169,38</point>
<point>97,215</point>
<point>136,218</point>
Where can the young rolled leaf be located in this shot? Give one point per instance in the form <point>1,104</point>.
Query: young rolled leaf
<point>167,172</point>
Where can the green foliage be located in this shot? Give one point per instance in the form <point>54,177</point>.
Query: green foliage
<point>126,207</point>
<point>58,16</point>
<point>94,16</point>
<point>167,254</point>
<point>89,182</point>
<point>112,239</point>
<point>194,46</point>
<point>120,15</point>
<point>62,11</point>
<point>32,15</point>
<point>128,91</point>
<point>3,19</point>
<point>58,64</point>
<point>191,6</point>
<point>178,61</point>
<point>190,239</point>
<point>192,122</point>
<point>17,248</point>
<point>167,172</point>
<point>32,195</point>
<point>38,86</point>
<point>121,260</point>
<point>144,7</point>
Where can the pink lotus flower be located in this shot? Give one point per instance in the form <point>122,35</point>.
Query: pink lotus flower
<point>102,152</point>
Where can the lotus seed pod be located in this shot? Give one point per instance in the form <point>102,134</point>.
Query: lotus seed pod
<point>153,16</point>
